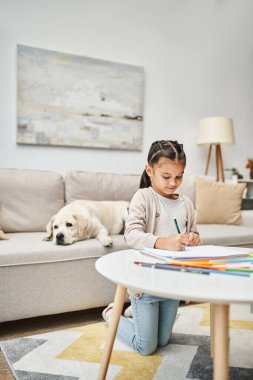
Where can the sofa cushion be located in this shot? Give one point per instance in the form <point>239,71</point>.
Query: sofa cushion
<point>29,248</point>
<point>100,186</point>
<point>222,234</point>
<point>29,198</point>
<point>218,202</point>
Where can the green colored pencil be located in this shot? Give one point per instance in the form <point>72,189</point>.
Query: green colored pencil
<point>176,224</point>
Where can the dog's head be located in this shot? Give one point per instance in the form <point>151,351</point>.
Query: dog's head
<point>66,229</point>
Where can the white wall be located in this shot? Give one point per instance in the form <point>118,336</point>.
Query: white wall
<point>197,57</point>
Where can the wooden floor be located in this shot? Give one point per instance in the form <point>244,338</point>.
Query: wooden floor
<point>31,326</point>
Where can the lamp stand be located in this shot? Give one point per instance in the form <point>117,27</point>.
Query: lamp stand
<point>219,163</point>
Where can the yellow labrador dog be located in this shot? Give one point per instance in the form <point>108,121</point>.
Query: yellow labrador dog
<point>80,220</point>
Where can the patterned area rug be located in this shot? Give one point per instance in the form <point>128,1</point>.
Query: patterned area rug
<point>76,353</point>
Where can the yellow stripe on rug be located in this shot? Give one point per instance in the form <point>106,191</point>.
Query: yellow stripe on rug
<point>234,324</point>
<point>89,348</point>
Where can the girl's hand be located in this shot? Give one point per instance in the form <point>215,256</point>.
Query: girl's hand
<point>176,242</point>
<point>193,239</point>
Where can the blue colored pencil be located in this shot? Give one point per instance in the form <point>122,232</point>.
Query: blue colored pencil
<point>239,260</point>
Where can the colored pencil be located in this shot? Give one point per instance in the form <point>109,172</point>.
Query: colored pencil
<point>176,224</point>
<point>196,270</point>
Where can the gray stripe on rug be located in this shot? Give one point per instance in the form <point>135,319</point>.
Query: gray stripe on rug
<point>22,375</point>
<point>202,365</point>
<point>15,349</point>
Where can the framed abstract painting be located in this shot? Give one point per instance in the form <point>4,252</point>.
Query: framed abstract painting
<point>71,100</point>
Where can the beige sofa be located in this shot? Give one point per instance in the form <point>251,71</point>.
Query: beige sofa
<point>39,278</point>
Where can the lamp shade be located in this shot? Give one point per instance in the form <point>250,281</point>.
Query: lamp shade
<point>216,130</point>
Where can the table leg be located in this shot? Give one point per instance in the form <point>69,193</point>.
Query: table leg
<point>112,330</point>
<point>220,341</point>
<point>212,332</point>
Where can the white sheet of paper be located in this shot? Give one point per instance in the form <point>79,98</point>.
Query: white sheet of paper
<point>201,251</point>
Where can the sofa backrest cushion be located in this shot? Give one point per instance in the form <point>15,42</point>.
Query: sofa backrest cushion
<point>188,187</point>
<point>100,186</point>
<point>29,198</point>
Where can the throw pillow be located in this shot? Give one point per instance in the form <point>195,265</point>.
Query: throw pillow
<point>218,202</point>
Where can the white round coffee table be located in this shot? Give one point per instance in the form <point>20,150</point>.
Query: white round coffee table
<point>220,290</point>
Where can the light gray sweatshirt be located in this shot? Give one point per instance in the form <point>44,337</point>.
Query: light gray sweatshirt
<point>144,213</point>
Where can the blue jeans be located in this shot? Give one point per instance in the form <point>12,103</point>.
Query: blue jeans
<point>153,320</point>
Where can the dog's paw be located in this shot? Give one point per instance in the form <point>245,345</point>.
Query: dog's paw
<point>46,238</point>
<point>3,236</point>
<point>106,241</point>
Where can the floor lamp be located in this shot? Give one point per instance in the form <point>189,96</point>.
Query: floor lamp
<point>214,131</point>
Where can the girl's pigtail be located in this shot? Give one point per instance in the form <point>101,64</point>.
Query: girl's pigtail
<point>145,180</point>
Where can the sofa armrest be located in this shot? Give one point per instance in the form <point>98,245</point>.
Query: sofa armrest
<point>247,218</point>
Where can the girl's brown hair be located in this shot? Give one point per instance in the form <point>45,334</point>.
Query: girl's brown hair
<point>162,148</point>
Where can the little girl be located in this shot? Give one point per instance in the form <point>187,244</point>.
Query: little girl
<point>150,224</point>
